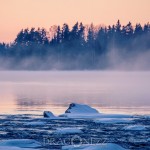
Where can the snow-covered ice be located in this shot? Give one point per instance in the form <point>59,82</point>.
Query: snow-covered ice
<point>35,123</point>
<point>86,112</point>
<point>113,120</point>
<point>111,128</point>
<point>105,146</point>
<point>49,114</point>
<point>135,127</point>
<point>14,148</point>
<point>80,111</point>
<point>80,108</point>
<point>18,144</point>
<point>68,131</point>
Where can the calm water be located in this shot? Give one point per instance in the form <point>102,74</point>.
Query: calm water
<point>23,92</point>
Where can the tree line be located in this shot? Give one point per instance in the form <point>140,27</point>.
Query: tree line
<point>78,48</point>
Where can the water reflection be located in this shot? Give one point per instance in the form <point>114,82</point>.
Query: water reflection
<point>107,91</point>
<point>30,102</point>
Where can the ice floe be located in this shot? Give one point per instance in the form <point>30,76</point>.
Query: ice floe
<point>105,146</point>
<point>135,127</point>
<point>80,108</point>
<point>13,148</point>
<point>68,131</point>
<point>35,123</point>
<point>48,114</point>
<point>15,144</point>
<point>80,111</point>
<point>84,112</point>
<point>113,120</point>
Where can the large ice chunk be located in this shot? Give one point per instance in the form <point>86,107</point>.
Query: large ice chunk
<point>80,109</point>
<point>49,114</point>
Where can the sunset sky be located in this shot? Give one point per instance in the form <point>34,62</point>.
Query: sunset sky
<point>18,14</point>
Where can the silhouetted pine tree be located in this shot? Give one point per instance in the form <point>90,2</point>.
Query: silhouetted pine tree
<point>77,48</point>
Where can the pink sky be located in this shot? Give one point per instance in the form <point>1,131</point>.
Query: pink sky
<point>18,14</point>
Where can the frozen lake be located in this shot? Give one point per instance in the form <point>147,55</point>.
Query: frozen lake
<point>23,92</point>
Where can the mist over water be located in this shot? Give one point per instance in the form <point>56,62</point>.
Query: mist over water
<point>48,90</point>
<point>114,59</point>
<point>80,47</point>
<point>137,61</point>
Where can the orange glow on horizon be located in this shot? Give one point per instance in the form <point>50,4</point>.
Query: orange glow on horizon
<point>18,14</point>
